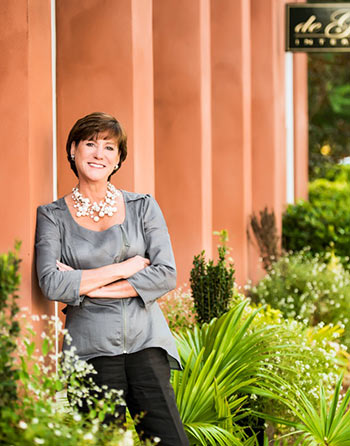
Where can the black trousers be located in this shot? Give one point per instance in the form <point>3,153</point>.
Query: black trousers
<point>144,379</point>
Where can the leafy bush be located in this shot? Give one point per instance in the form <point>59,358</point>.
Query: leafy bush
<point>323,222</point>
<point>309,289</point>
<point>212,285</point>
<point>9,327</point>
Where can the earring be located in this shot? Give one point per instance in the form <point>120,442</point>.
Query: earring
<point>116,166</point>
<point>72,157</point>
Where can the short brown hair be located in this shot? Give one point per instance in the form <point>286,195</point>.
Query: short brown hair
<point>89,127</point>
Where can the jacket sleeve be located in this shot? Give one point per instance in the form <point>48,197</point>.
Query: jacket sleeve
<point>160,277</point>
<point>61,286</point>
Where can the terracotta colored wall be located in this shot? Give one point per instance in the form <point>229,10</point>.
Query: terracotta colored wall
<point>26,126</point>
<point>199,87</point>
<point>104,63</point>
<point>182,125</point>
<point>301,129</point>
<point>231,125</point>
<point>268,114</point>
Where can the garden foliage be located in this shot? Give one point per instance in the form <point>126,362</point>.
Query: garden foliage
<point>265,231</point>
<point>229,362</point>
<point>308,288</point>
<point>323,222</point>
<point>329,99</point>
<point>249,364</point>
<point>178,309</point>
<point>212,285</point>
<point>9,327</point>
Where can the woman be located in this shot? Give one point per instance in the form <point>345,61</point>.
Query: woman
<point>107,254</point>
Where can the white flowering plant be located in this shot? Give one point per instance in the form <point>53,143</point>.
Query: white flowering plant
<point>178,309</point>
<point>304,357</point>
<point>309,289</point>
<point>42,415</point>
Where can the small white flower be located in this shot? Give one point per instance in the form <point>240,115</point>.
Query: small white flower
<point>77,417</point>
<point>22,424</point>
<point>88,436</point>
<point>38,440</point>
<point>35,421</point>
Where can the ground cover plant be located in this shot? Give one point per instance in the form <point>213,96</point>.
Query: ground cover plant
<point>308,288</point>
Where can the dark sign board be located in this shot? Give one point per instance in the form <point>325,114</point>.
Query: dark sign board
<point>315,27</point>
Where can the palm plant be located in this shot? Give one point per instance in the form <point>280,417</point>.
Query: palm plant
<point>327,425</point>
<point>221,364</point>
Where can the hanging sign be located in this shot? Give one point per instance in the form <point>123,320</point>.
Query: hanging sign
<point>315,27</point>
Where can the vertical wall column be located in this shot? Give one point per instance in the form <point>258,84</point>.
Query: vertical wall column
<point>268,110</point>
<point>301,130</point>
<point>231,130</point>
<point>26,124</point>
<point>181,40</point>
<point>104,63</point>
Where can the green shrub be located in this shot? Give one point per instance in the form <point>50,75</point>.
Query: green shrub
<point>212,285</point>
<point>337,172</point>
<point>323,222</point>
<point>9,327</point>
<point>309,289</point>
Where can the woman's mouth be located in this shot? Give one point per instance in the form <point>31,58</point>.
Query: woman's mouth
<point>96,165</point>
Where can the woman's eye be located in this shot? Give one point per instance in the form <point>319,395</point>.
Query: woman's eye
<point>109,148</point>
<point>90,144</point>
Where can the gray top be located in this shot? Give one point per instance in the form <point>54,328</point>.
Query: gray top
<point>108,327</point>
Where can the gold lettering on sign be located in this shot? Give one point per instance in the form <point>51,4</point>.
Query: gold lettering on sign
<point>308,26</point>
<point>340,24</point>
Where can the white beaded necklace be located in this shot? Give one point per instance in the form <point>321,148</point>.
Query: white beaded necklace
<point>96,210</point>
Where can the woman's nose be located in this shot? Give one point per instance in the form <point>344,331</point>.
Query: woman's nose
<point>99,151</point>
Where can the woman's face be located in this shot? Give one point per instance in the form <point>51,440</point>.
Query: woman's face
<point>95,159</point>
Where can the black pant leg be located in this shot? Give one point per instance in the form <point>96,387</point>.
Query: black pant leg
<point>150,393</point>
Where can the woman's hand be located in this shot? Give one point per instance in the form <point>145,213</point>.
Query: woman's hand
<point>117,290</point>
<point>62,267</point>
<point>133,265</point>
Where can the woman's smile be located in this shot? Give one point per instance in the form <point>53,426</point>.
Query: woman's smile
<point>96,165</point>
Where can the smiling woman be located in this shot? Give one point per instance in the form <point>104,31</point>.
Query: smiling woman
<point>107,254</point>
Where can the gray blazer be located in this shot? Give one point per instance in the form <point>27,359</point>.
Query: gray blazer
<point>108,327</point>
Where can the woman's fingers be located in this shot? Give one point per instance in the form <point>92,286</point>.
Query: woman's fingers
<point>63,267</point>
<point>134,264</point>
